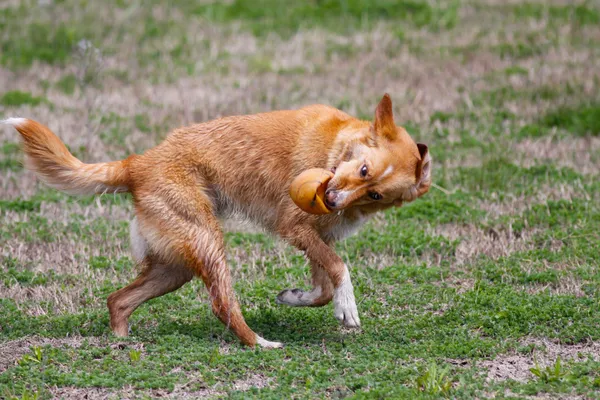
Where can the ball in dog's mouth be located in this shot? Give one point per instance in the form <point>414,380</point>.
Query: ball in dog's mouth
<point>308,190</point>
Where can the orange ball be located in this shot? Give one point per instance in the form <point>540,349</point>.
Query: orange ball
<point>308,190</point>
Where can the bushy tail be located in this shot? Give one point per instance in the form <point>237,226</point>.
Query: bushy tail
<point>52,162</point>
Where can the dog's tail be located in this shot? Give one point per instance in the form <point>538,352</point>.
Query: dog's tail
<point>52,162</point>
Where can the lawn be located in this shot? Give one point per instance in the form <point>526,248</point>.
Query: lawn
<point>487,287</point>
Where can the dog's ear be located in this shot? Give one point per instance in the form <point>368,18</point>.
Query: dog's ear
<point>384,119</point>
<point>423,172</point>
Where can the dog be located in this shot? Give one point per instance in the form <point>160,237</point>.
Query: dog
<point>200,174</point>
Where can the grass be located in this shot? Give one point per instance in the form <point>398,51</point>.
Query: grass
<point>488,286</point>
<point>17,98</point>
<point>274,16</point>
<point>40,42</point>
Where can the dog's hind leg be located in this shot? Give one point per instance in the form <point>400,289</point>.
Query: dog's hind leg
<point>320,295</point>
<point>155,280</point>
<point>204,252</point>
<point>183,228</point>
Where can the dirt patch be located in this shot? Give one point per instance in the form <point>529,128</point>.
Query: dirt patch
<point>507,393</point>
<point>127,393</point>
<point>513,367</point>
<point>257,381</point>
<point>95,393</point>
<point>11,352</point>
<point>517,366</point>
<point>181,393</point>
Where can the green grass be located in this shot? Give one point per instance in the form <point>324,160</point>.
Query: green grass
<point>578,121</point>
<point>67,84</point>
<point>578,14</point>
<point>46,43</point>
<point>17,98</point>
<point>284,18</point>
<point>499,259</point>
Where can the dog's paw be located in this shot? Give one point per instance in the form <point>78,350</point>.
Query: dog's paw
<point>265,344</point>
<point>290,297</point>
<point>345,309</point>
<point>348,315</point>
<point>298,297</point>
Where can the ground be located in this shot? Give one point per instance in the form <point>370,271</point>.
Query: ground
<point>487,287</point>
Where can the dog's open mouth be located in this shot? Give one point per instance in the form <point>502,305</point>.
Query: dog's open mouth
<point>322,193</point>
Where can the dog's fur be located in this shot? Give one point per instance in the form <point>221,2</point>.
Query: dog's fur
<point>243,165</point>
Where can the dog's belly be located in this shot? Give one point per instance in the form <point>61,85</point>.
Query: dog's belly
<point>256,212</point>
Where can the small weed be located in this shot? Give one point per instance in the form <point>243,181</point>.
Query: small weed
<point>554,373</point>
<point>434,380</point>
<point>35,357</point>
<point>135,355</point>
<point>26,395</point>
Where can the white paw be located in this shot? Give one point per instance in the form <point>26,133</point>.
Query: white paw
<point>265,344</point>
<point>298,297</point>
<point>344,304</point>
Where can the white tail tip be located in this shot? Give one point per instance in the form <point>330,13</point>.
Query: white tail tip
<point>13,121</point>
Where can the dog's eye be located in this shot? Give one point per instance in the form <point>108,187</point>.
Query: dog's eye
<point>375,195</point>
<point>364,171</point>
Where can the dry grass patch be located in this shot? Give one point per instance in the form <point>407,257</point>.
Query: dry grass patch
<point>566,285</point>
<point>127,393</point>
<point>516,205</point>
<point>64,256</point>
<point>580,154</point>
<point>516,366</point>
<point>17,185</point>
<point>181,391</point>
<point>55,298</point>
<point>12,351</point>
<point>493,243</point>
<point>93,393</point>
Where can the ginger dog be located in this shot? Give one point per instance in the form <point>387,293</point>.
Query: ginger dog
<point>243,165</point>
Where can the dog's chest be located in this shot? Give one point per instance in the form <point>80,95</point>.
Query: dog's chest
<point>344,227</point>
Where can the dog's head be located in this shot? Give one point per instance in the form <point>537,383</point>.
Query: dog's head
<point>380,164</point>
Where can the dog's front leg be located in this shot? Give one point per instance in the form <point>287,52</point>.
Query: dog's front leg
<point>319,253</point>
<point>320,295</point>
